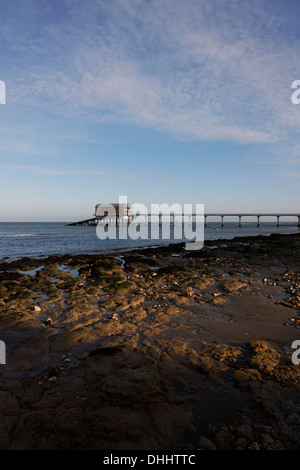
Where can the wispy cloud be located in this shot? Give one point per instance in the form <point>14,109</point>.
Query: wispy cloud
<point>204,71</point>
<point>50,171</point>
<point>290,174</point>
<point>20,147</point>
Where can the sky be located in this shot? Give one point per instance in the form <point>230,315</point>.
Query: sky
<point>162,101</point>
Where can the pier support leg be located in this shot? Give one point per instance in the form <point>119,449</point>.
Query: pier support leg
<point>205,221</point>
<point>258,220</point>
<point>298,220</point>
<point>278,217</point>
<point>240,220</point>
<point>222,220</point>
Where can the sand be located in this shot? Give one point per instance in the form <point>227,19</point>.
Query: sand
<point>153,349</point>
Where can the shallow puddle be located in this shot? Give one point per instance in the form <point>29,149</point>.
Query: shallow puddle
<point>32,272</point>
<point>66,269</point>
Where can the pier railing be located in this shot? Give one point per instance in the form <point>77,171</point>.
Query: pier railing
<point>257,215</point>
<point>118,220</point>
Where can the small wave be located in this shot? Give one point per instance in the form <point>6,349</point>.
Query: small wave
<point>24,235</point>
<point>21,235</point>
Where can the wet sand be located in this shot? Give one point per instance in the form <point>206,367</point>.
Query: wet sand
<point>153,349</point>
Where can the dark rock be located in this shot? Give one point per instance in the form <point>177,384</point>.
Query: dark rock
<point>109,351</point>
<point>244,430</point>
<point>206,444</point>
<point>49,323</point>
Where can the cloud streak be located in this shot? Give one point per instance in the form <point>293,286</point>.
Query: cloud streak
<point>49,171</point>
<point>290,174</point>
<point>200,71</point>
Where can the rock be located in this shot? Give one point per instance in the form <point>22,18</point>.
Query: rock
<point>189,291</point>
<point>293,419</point>
<point>83,356</point>
<point>224,440</point>
<point>266,429</point>
<point>243,377</point>
<point>52,379</point>
<point>54,371</point>
<point>211,430</point>
<point>191,429</point>
<point>244,430</point>
<point>206,444</point>
<point>266,440</point>
<point>132,384</point>
<point>49,323</point>
<point>225,353</point>
<point>230,285</point>
<point>263,358</point>
<point>218,301</point>
<point>108,351</point>
<point>241,443</point>
<point>254,446</point>
<point>36,308</point>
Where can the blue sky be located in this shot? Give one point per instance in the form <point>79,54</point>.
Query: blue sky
<point>165,101</point>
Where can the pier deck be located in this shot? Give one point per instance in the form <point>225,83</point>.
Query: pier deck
<point>118,220</point>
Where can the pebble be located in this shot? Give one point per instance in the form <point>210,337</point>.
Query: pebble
<point>206,444</point>
<point>244,430</point>
<point>52,379</point>
<point>254,446</point>
<point>266,439</point>
<point>49,322</point>
<point>83,356</point>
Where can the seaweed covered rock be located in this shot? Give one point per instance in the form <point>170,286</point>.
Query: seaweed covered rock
<point>262,358</point>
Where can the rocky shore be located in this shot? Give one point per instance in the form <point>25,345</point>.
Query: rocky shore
<point>153,349</point>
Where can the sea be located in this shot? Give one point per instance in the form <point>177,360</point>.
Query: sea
<point>42,239</point>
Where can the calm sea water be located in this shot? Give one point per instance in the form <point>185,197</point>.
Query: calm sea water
<point>18,240</point>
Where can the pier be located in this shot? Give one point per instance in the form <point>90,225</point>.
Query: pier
<point>257,215</point>
<point>122,218</point>
<point>92,222</point>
